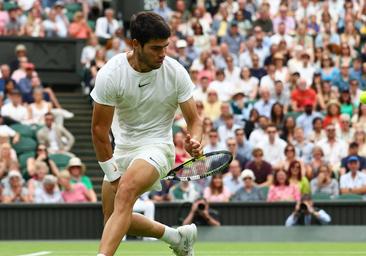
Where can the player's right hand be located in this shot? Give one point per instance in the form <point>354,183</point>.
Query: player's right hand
<point>192,146</point>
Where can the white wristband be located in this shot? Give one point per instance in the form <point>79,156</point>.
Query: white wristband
<point>110,169</point>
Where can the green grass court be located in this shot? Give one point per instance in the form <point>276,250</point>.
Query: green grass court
<point>75,248</point>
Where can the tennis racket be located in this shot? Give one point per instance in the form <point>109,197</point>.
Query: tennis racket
<point>201,167</point>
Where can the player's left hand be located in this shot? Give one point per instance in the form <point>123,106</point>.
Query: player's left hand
<point>192,146</point>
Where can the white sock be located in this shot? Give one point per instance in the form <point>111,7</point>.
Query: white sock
<point>101,254</point>
<point>171,236</point>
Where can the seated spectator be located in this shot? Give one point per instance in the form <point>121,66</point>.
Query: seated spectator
<point>96,65</point>
<point>7,133</point>
<point>88,51</point>
<point>334,149</point>
<point>183,192</point>
<point>181,155</point>
<point>281,189</point>
<point>303,147</point>
<point>212,105</point>
<point>318,132</point>
<point>360,138</point>
<point>244,147</point>
<point>317,160</point>
<point>297,178</point>
<point>15,109</point>
<point>56,138</point>
<point>353,182</point>
<point>41,155</point>
<point>106,25</point>
<point>14,26</point>
<point>20,72</point>
<point>163,195</point>
<point>277,115</point>
<point>352,151</point>
<point>8,161</point>
<point>290,156</point>
<point>5,77</point>
<point>36,181</point>
<point>14,191</point>
<point>227,130</point>
<point>34,26</point>
<point>79,27</point>
<point>77,171</point>
<point>216,191</point>
<point>306,214</point>
<point>72,193</point>
<point>116,48</point>
<point>264,104</point>
<point>301,95</point>
<point>48,192</point>
<point>248,192</point>
<point>61,19</point>
<point>214,143</point>
<point>207,127</point>
<point>221,86</point>
<point>272,146</point>
<point>248,84</point>
<point>232,147</point>
<point>333,114</point>
<point>202,215</point>
<point>305,120</point>
<point>324,183</point>
<point>38,108</point>
<point>232,178</point>
<point>256,127</point>
<point>262,170</point>
<point>359,119</point>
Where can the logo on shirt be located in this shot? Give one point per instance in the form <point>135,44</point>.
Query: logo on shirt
<point>142,85</point>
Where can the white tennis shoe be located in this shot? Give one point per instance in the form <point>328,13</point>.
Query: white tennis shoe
<point>188,238</point>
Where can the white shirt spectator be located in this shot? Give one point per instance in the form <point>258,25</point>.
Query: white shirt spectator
<point>232,184</point>
<point>232,77</point>
<point>40,196</point>
<point>225,132</point>
<point>223,88</point>
<point>347,181</point>
<point>211,148</point>
<point>306,122</point>
<point>18,113</point>
<point>256,136</point>
<point>105,29</point>
<point>264,108</point>
<point>87,55</point>
<point>273,153</point>
<point>307,73</point>
<point>333,153</point>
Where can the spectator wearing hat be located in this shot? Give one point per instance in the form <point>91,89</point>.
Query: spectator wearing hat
<point>49,191</point>
<point>306,69</point>
<point>77,171</point>
<point>182,57</point>
<point>14,191</point>
<point>281,71</point>
<point>305,214</point>
<point>73,193</point>
<point>352,152</point>
<point>302,94</point>
<point>353,182</point>
<point>305,120</point>
<point>15,108</point>
<point>248,191</point>
<point>239,106</point>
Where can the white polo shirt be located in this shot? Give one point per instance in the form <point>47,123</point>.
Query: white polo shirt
<point>347,181</point>
<point>145,103</point>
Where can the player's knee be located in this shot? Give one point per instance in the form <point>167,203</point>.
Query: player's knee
<point>126,196</point>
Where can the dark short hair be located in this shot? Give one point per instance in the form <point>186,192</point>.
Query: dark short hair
<point>353,145</point>
<point>146,26</point>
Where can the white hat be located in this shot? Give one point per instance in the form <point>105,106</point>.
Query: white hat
<point>181,43</point>
<point>14,173</point>
<point>75,161</point>
<point>247,173</point>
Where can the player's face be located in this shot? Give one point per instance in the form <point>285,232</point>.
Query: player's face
<point>153,53</point>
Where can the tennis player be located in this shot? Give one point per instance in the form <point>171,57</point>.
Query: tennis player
<point>136,94</point>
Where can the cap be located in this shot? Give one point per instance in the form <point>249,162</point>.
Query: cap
<point>308,102</point>
<point>29,66</point>
<point>237,93</point>
<point>247,173</point>
<point>14,173</point>
<point>20,47</point>
<point>49,179</point>
<point>75,161</point>
<point>305,53</point>
<point>58,3</point>
<point>181,43</point>
<point>352,159</point>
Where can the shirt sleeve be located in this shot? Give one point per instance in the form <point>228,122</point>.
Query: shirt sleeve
<point>185,85</point>
<point>105,91</point>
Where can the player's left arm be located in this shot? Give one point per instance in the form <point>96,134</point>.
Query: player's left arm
<point>194,125</point>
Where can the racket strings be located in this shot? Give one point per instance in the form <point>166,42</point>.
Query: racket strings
<point>205,165</point>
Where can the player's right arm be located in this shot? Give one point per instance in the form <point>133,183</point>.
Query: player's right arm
<point>101,124</point>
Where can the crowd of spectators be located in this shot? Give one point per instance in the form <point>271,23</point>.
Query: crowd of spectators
<point>277,83</point>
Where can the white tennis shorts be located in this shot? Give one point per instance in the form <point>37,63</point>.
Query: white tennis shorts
<point>161,156</point>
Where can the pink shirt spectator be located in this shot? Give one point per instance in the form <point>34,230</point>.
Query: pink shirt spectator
<point>283,193</point>
<point>77,194</point>
<point>4,19</point>
<point>223,197</point>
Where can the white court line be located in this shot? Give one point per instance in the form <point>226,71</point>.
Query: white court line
<point>36,254</point>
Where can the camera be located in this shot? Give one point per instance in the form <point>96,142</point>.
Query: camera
<point>201,206</point>
<point>303,207</point>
